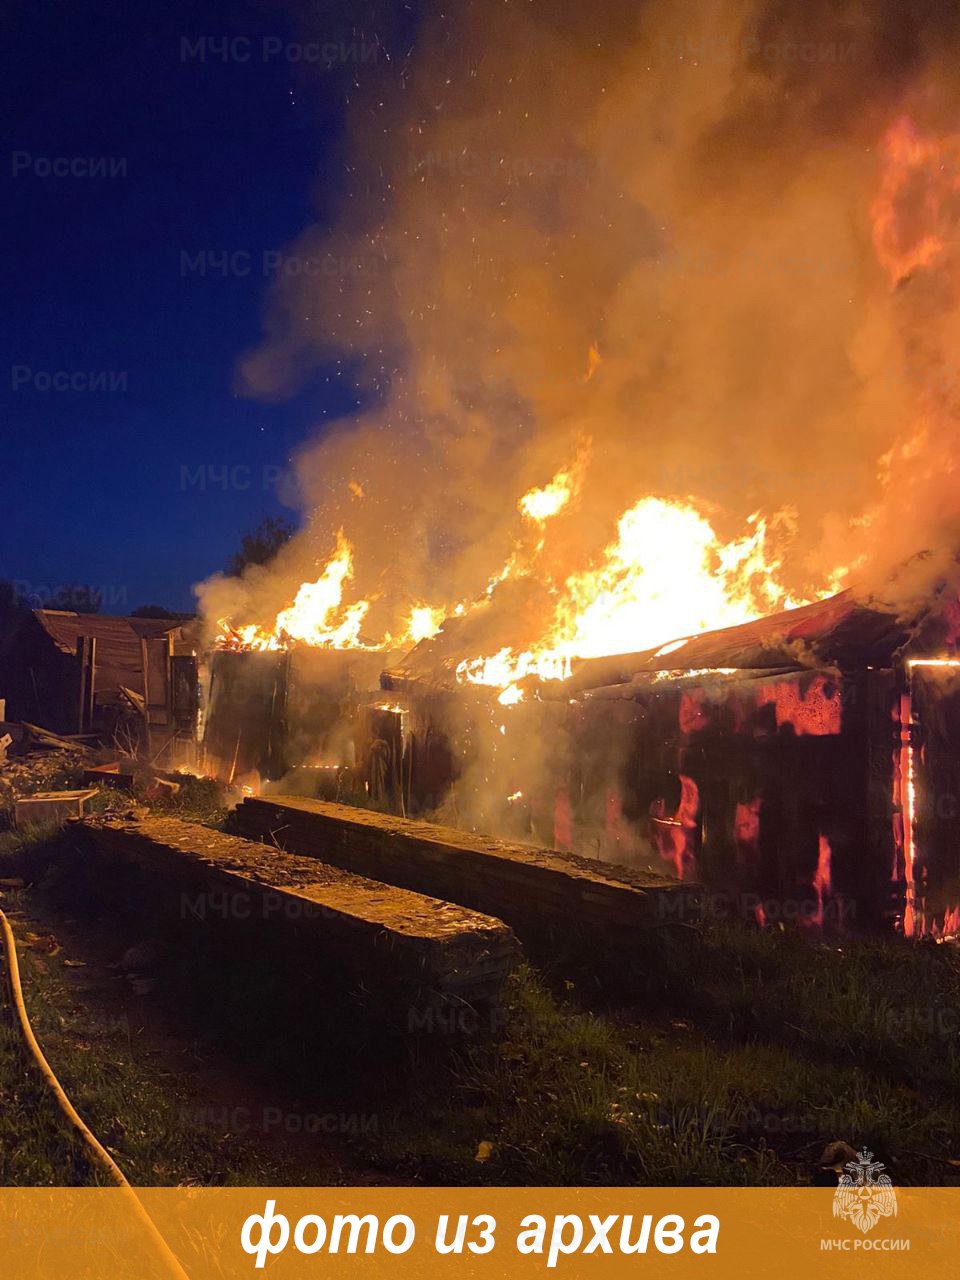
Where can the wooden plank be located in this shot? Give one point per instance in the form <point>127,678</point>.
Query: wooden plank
<point>536,891</point>
<point>390,940</point>
<point>50,806</point>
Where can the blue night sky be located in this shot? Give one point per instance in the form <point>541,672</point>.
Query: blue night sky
<point>234,157</point>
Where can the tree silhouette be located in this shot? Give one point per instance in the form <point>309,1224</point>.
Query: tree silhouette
<point>260,545</point>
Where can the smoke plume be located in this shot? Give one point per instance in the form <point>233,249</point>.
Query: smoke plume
<point>646,226</point>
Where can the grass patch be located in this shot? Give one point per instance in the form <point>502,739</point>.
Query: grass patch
<point>732,1057</point>
<point>140,1112</point>
<point>573,1097</point>
<point>202,800</point>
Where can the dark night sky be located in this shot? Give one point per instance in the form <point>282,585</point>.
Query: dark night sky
<point>233,157</point>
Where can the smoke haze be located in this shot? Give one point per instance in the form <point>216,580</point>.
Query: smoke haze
<point>645,226</point>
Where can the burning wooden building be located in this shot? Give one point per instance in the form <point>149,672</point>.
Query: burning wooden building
<point>805,766</point>
<point>301,714</point>
<point>802,766</point>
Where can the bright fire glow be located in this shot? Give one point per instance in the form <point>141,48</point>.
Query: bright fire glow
<point>905,800</point>
<point>672,647</point>
<point>695,672</point>
<point>666,574</point>
<point>423,623</point>
<point>315,616</point>
<point>908,803</point>
<point>541,504</point>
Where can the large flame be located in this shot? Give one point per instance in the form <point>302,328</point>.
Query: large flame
<point>314,617</point>
<point>666,574</point>
<point>540,505</point>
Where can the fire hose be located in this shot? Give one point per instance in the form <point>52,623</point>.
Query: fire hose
<point>98,1154</point>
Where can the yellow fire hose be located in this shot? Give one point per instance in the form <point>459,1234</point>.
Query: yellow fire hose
<point>95,1149</point>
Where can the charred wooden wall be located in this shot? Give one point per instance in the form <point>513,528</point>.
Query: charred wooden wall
<point>930,723</point>
<point>765,789</point>
<point>792,795</point>
<point>775,790</point>
<point>273,712</point>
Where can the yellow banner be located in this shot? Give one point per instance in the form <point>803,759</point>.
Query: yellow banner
<point>495,1232</point>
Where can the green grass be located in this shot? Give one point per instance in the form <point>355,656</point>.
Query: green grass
<point>732,1057</point>
<point>198,800</point>
<point>793,1052</point>
<point>148,1108</point>
<point>140,1110</point>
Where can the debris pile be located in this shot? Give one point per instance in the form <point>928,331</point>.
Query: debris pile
<point>47,776</point>
<point>33,760</point>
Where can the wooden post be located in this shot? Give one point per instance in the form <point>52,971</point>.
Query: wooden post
<point>145,666</point>
<point>81,652</point>
<point>91,681</point>
<point>87,659</point>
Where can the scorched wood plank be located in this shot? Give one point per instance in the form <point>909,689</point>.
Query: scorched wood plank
<point>534,890</point>
<point>417,948</point>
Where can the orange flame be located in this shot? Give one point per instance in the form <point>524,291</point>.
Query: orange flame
<point>666,574</point>
<point>314,617</point>
<point>542,504</point>
<point>916,204</point>
<point>423,623</point>
<point>905,785</point>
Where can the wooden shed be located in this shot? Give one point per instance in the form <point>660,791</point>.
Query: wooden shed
<point>90,673</point>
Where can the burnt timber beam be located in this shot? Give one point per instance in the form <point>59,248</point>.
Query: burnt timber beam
<point>395,944</point>
<point>536,891</point>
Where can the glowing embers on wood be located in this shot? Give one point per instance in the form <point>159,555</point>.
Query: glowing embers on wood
<point>817,911</point>
<point>677,835</point>
<point>905,809</point>
<point>806,705</point>
<point>746,832</point>
<point>822,882</point>
<point>813,709</point>
<point>921,918</point>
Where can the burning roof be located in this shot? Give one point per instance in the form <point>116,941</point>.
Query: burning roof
<point>841,631</point>
<point>638,383</point>
<point>838,631</point>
